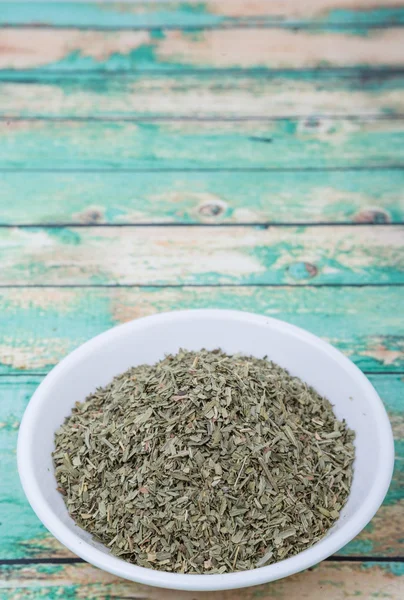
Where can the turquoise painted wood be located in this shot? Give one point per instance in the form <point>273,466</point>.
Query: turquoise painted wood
<point>348,196</point>
<point>281,144</point>
<point>309,93</point>
<point>199,14</point>
<point>41,325</point>
<point>28,537</point>
<point>172,51</point>
<point>214,112</point>
<point>338,580</point>
<point>203,256</point>
<point>352,79</point>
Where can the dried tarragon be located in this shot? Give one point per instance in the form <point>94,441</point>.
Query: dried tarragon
<point>204,463</point>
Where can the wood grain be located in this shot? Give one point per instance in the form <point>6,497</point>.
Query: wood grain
<point>286,144</point>
<point>172,255</point>
<point>339,581</point>
<point>364,196</point>
<point>40,326</point>
<point>201,95</point>
<point>186,113</point>
<point>209,13</point>
<point>28,538</point>
<point>75,50</point>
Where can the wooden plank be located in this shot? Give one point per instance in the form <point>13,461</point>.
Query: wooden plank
<point>287,144</point>
<point>368,196</point>
<point>203,255</point>
<point>333,580</point>
<point>75,50</point>
<point>209,13</point>
<point>29,539</point>
<point>40,326</point>
<point>292,94</point>
<point>338,581</point>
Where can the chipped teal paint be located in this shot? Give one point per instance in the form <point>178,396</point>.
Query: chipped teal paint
<point>379,17</point>
<point>349,78</point>
<point>145,58</point>
<point>349,318</point>
<point>393,387</point>
<point>49,584</point>
<point>85,325</point>
<point>13,505</point>
<point>151,145</point>
<point>151,56</point>
<point>144,198</point>
<point>394,568</point>
<point>359,547</point>
<point>397,485</point>
<point>142,58</point>
<point>7,569</point>
<point>106,15</point>
<point>328,268</point>
<point>180,14</point>
<point>67,236</point>
<point>15,393</point>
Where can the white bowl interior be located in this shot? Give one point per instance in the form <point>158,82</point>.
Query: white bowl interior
<point>148,340</point>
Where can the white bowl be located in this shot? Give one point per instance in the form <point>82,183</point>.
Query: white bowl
<point>147,340</point>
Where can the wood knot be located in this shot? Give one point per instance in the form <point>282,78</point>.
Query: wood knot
<point>211,210</point>
<point>303,270</point>
<point>90,216</point>
<point>312,123</point>
<point>375,216</point>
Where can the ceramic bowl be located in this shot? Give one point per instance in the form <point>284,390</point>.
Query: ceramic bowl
<point>147,340</point>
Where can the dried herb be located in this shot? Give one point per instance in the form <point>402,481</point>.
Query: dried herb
<point>204,463</point>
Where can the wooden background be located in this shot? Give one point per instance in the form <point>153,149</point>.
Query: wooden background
<point>238,154</point>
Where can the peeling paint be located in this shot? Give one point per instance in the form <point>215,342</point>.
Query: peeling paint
<point>177,197</point>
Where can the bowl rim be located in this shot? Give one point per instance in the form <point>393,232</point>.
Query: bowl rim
<point>203,582</point>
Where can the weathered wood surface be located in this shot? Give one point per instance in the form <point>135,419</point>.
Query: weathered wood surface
<point>202,95</point>
<point>39,326</point>
<point>215,112</point>
<point>339,581</point>
<point>281,144</point>
<point>27,538</point>
<point>208,13</point>
<point>202,255</point>
<point>347,196</point>
<point>75,50</point>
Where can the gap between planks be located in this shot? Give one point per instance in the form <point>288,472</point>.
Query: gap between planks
<point>295,169</point>
<point>40,286</point>
<point>76,560</point>
<point>355,28</point>
<point>357,71</point>
<point>258,224</point>
<point>4,118</point>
